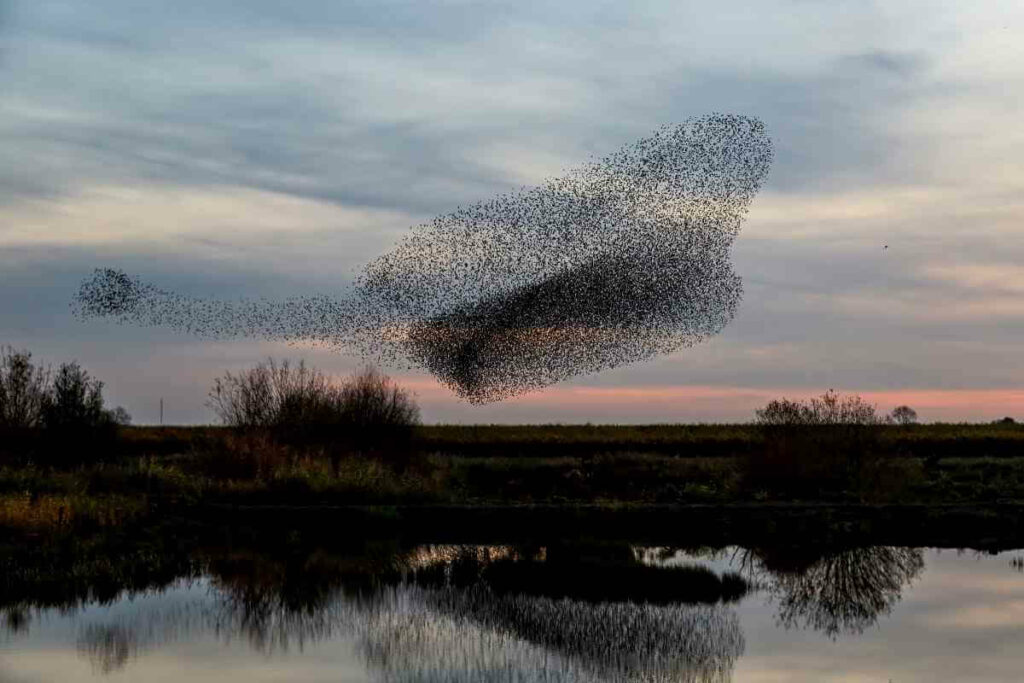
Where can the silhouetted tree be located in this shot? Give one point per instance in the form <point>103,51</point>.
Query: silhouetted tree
<point>121,416</point>
<point>825,441</point>
<point>23,388</point>
<point>76,425</point>
<point>904,415</point>
<point>74,401</point>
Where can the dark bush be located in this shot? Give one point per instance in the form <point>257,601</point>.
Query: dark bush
<point>76,425</point>
<point>298,406</point>
<point>291,402</point>
<point>376,408</point>
<point>903,415</point>
<point>74,400</point>
<point>58,416</point>
<point>120,416</point>
<point>822,444</point>
<point>243,455</point>
<point>23,388</point>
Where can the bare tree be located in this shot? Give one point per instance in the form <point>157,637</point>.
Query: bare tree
<point>904,415</point>
<point>815,444</point>
<point>23,388</point>
<point>74,400</point>
<point>299,404</point>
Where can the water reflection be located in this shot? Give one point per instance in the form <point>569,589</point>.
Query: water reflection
<point>558,612</point>
<point>596,573</point>
<point>487,613</point>
<point>108,647</point>
<point>473,634</point>
<point>836,592</point>
<point>408,632</point>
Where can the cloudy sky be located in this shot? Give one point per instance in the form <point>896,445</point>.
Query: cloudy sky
<point>260,148</point>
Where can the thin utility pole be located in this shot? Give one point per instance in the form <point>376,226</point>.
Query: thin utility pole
<point>161,411</point>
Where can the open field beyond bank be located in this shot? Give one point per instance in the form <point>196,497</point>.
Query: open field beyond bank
<point>609,467</point>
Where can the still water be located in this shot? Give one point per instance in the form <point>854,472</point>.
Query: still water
<point>540,614</point>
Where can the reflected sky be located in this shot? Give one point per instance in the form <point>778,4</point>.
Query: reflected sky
<point>451,613</point>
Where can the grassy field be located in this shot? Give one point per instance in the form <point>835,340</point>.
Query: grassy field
<point>609,466</point>
<point>684,440</point>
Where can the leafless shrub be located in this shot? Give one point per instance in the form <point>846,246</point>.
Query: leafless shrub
<point>77,426</point>
<point>274,396</point>
<point>300,406</point>
<point>372,400</point>
<point>57,415</point>
<point>830,409</point>
<point>23,388</point>
<point>74,400</point>
<point>822,443</point>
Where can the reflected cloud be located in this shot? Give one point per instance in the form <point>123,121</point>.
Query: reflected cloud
<point>1008,613</point>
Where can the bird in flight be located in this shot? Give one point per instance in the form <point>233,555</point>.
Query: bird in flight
<point>618,260</point>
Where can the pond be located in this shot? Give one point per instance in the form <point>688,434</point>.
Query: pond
<point>567,611</point>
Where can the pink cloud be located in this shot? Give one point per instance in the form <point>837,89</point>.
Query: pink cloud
<point>570,403</point>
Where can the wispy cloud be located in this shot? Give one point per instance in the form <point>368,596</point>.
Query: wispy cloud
<point>260,148</point>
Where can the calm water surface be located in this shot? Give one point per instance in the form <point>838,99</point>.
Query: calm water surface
<point>565,613</point>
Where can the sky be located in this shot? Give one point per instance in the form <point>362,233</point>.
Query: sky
<point>248,148</point>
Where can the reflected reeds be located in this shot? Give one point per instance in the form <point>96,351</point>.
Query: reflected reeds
<point>472,634</point>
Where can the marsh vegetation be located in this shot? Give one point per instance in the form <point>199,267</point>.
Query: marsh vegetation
<point>292,436</point>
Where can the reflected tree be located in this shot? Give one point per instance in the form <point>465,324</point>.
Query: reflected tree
<point>839,592</point>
